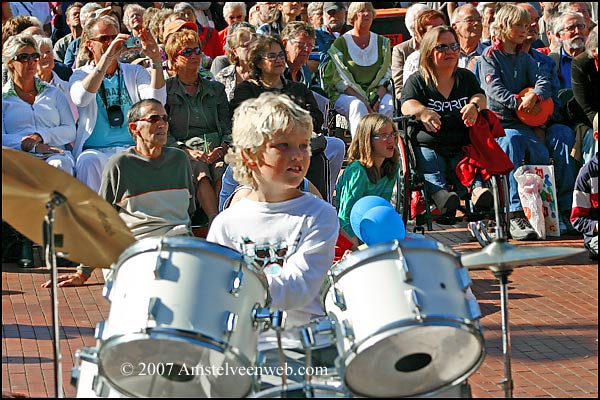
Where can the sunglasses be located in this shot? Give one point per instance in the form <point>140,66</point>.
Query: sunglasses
<point>26,57</point>
<point>444,48</point>
<point>274,56</point>
<point>153,119</point>
<point>189,51</point>
<point>104,38</point>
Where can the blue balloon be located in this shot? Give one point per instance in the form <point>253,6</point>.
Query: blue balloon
<point>363,205</point>
<point>381,224</point>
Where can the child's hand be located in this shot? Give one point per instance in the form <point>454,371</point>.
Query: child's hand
<point>217,154</point>
<point>528,102</point>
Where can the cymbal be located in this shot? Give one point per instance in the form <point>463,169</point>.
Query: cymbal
<point>87,229</point>
<point>502,256</point>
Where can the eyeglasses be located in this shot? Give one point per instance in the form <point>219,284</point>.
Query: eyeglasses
<point>153,119</point>
<point>26,57</point>
<point>385,136</point>
<point>104,38</point>
<point>274,56</point>
<point>471,20</point>
<point>573,27</point>
<point>444,48</point>
<point>303,45</point>
<point>189,51</point>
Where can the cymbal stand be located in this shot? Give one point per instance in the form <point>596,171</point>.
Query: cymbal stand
<point>50,256</point>
<point>507,382</point>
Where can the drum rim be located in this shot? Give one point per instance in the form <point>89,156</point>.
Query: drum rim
<point>393,328</point>
<point>354,260</point>
<point>158,333</point>
<point>183,242</point>
<point>296,386</point>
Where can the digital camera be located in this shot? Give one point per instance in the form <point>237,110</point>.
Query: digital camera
<point>115,116</point>
<point>133,42</point>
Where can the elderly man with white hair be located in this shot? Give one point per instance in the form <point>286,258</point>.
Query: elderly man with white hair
<point>404,49</point>
<point>232,12</point>
<point>571,32</point>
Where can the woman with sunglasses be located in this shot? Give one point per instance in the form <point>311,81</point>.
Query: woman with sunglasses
<point>268,63</point>
<point>36,117</point>
<point>445,101</point>
<point>200,122</point>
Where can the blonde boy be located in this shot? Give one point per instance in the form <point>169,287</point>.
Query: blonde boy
<point>290,234</point>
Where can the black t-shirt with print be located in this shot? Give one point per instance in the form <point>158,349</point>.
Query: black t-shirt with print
<point>453,133</point>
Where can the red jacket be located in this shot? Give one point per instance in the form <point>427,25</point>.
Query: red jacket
<point>484,155</point>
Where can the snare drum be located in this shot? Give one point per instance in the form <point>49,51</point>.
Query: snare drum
<point>181,320</point>
<point>404,323</point>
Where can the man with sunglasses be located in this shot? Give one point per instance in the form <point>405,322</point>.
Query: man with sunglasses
<point>104,90</point>
<point>150,185</point>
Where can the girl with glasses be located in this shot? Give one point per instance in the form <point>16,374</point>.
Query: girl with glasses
<point>372,167</point>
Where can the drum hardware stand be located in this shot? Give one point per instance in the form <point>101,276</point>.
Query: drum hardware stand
<point>507,382</point>
<point>50,255</point>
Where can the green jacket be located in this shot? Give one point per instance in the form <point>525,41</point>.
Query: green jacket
<point>202,122</point>
<point>338,73</point>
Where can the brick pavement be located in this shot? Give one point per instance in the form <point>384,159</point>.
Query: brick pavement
<point>553,310</point>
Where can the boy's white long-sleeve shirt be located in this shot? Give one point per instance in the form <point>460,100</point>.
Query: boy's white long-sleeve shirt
<point>292,241</point>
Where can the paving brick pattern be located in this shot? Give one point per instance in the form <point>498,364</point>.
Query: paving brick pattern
<point>553,313</point>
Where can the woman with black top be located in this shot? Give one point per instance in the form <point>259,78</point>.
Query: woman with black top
<point>446,101</point>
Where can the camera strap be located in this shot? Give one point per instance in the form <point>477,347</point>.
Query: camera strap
<point>103,91</point>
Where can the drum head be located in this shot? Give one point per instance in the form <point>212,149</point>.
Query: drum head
<point>413,361</point>
<point>161,365</point>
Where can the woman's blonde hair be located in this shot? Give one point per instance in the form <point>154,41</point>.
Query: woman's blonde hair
<point>13,45</point>
<point>506,17</point>
<point>426,66</point>
<point>355,7</point>
<point>234,41</point>
<point>361,147</point>
<point>255,123</point>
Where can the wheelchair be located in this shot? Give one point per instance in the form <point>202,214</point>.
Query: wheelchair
<point>484,225</point>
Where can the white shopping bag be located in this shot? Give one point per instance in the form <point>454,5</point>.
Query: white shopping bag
<point>549,197</point>
<point>529,188</point>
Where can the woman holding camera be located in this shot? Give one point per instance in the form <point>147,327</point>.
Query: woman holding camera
<point>104,90</point>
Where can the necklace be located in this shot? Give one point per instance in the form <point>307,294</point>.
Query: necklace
<point>362,42</point>
<point>189,84</point>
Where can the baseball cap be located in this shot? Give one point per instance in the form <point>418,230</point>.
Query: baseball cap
<point>547,108</point>
<point>333,7</point>
<point>176,25</point>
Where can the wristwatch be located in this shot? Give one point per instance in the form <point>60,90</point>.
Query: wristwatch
<point>476,106</point>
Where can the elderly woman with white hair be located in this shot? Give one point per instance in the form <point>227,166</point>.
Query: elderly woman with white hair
<point>35,115</point>
<point>359,70</point>
<point>46,73</point>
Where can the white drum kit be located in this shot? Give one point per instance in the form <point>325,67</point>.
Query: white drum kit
<point>399,320</point>
<point>186,314</point>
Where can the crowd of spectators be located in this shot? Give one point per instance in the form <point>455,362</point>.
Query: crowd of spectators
<point>72,71</point>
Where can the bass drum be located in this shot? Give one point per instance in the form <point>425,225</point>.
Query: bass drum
<point>406,321</point>
<point>182,320</point>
